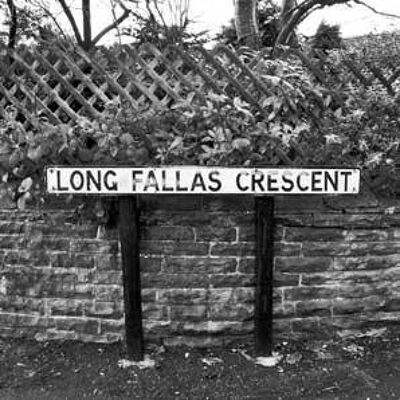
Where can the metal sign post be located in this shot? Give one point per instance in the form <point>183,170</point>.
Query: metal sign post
<point>128,182</point>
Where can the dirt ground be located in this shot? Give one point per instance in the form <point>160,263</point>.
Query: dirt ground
<point>358,366</point>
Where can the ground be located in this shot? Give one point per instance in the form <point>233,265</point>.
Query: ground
<point>357,366</point>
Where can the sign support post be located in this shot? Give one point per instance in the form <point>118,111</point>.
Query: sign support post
<point>128,182</point>
<point>264,226</point>
<point>129,238</point>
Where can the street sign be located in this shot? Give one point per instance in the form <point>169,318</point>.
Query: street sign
<point>201,180</point>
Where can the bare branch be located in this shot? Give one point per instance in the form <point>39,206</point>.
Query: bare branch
<point>385,14</point>
<point>50,15</point>
<point>71,20</point>
<point>112,26</point>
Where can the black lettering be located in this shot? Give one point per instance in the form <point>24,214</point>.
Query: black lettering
<point>198,181</point>
<point>315,180</point>
<point>59,187</point>
<point>270,181</point>
<point>151,182</point>
<point>164,186</point>
<point>238,182</point>
<point>213,177</point>
<point>91,179</point>
<point>113,186</point>
<point>302,188</point>
<point>257,180</point>
<point>333,182</point>
<point>179,188</point>
<point>346,179</point>
<point>135,180</point>
<point>81,180</point>
<point>289,181</point>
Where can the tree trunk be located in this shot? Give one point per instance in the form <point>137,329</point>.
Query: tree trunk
<point>87,25</point>
<point>12,33</point>
<point>286,35</point>
<point>246,23</point>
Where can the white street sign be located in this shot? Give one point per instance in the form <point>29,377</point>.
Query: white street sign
<point>201,180</point>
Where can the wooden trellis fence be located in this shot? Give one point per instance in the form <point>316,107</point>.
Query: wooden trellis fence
<point>65,84</point>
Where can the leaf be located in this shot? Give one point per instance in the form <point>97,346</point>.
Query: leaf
<point>241,144</point>
<point>126,139</point>
<point>21,202</point>
<point>176,143</point>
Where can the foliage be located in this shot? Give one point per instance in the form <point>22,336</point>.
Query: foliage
<point>327,37</point>
<point>352,127</point>
<point>268,22</point>
<point>147,30</point>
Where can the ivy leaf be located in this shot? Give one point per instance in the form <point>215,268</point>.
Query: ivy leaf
<point>25,185</point>
<point>176,143</point>
<point>126,139</point>
<point>241,144</point>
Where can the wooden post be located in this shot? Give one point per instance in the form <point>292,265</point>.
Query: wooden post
<point>264,221</point>
<point>129,237</point>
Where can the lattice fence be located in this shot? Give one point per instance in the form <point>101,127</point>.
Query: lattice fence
<point>64,84</point>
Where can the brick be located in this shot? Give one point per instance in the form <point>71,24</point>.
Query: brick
<point>64,260</point>
<point>247,265</point>
<point>24,305</point>
<point>23,320</point>
<point>349,277</point>
<point>230,311</point>
<point>89,326</point>
<point>182,296</point>
<point>10,227</point>
<point>169,281</point>
<point>178,233</point>
<point>11,241</point>
<point>188,313</point>
<point>351,249</point>
<point>106,262</point>
<point>283,310</point>
<point>366,263</point>
<point>155,312</point>
<point>302,264</point>
<point>298,204</point>
<point>38,257</point>
<point>306,326</point>
<point>294,219</point>
<point>108,292</point>
<point>232,280</point>
<point>108,277</point>
<point>313,234</point>
<point>94,246</point>
<point>284,279</point>
<point>216,327</point>
<point>309,293</point>
<point>233,249</point>
<point>228,203</point>
<point>105,309</point>
<point>354,306</point>
<point>367,235</point>
<point>68,307</point>
<point>49,243</point>
<point>359,291</point>
<point>171,202</point>
<point>248,234</point>
<point>178,265</point>
<point>150,264</point>
<point>313,308</point>
<point>348,220</point>
<point>149,247</point>
<point>236,295</point>
<point>288,249</point>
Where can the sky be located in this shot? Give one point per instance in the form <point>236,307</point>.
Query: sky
<point>212,14</point>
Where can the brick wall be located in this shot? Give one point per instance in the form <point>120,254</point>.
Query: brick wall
<point>336,266</point>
